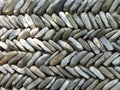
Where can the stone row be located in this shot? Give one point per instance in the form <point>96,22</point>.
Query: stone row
<point>85,58</point>
<point>54,78</point>
<point>85,20</point>
<point>50,6</point>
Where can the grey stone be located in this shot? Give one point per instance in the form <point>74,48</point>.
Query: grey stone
<point>107,5</point>
<point>114,5</point>
<point>117,86</point>
<point>20,76</point>
<point>68,4</point>
<point>116,46</point>
<point>8,68</point>
<point>46,22</point>
<point>4,46</point>
<point>65,84</point>
<point>50,84</point>
<point>116,61</point>
<point>3,31</point>
<point>79,84</point>
<point>115,36</point>
<point>66,33</point>
<point>3,70</point>
<point>27,81</point>
<point>108,35</point>
<point>2,3</point>
<point>17,69</point>
<point>49,35</point>
<point>34,31</point>
<point>93,85</point>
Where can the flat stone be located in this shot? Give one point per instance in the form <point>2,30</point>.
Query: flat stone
<point>80,84</point>
<point>39,73</point>
<point>66,33</point>
<point>80,72</point>
<point>3,70</point>
<point>86,21</point>
<point>49,35</point>
<point>46,22</point>
<point>106,43</point>
<point>116,61</point>
<point>97,72</point>
<point>117,86</point>
<point>50,84</point>
<point>26,45</point>
<point>110,34</point>
<point>9,6</point>
<point>75,44</point>
<point>76,59</point>
<point>19,77</point>
<point>93,85</point>
<point>18,6</point>
<point>3,31</point>
<point>107,4</point>
<point>66,46</point>
<point>33,59</point>
<point>34,31</point>
<point>27,81</point>
<point>57,20</point>
<point>68,4</point>
<point>65,84</point>
<point>57,59</point>
<point>17,69</point>
<point>64,18</point>
<point>115,36</point>
<point>116,46</point>
<point>8,68</point>
<point>114,5</point>
<point>67,59</point>
<point>29,21</point>
<point>4,46</point>
<point>37,21</point>
<point>41,60</point>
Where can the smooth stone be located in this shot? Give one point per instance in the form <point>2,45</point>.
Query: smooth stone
<point>17,69</point>
<point>116,17</point>
<point>19,77</point>
<point>40,43</point>
<point>37,21</point>
<point>65,84</point>
<point>29,73</point>
<point>7,57</point>
<point>109,34</point>
<point>106,6</point>
<point>26,45</point>
<point>42,32</point>
<point>76,58</point>
<point>57,59</point>
<point>78,20</point>
<point>111,21</point>
<point>64,72</point>
<point>3,22</point>
<point>102,59</point>
<point>75,44</point>
<point>4,46</point>
<point>49,46</point>
<point>3,70</point>
<point>71,20</point>
<point>52,7</point>
<point>18,6</point>
<point>46,22</point>
<point>34,84</point>
<point>116,87</point>
<point>96,8</point>
<point>22,20</point>
<point>81,73</point>
<point>80,84</point>
<point>97,72</point>
<point>27,81</point>
<point>57,84</point>
<point>86,21</point>
<point>2,31</point>
<point>110,84</point>
<point>67,59</point>
<point>41,60</point>
<point>110,59</point>
<point>14,34</point>
<point>45,82</point>
<point>92,19</point>
<point>93,47</point>
<point>57,20</point>
<point>2,3</point>
<point>106,72</point>
<point>114,5</point>
<point>8,68</point>
<point>29,21</point>
<point>65,46</point>
<point>55,45</point>
<point>75,6</point>
<point>116,61</point>
<point>39,73</point>
<point>115,36</point>
<point>84,44</point>
<point>9,6</point>
<point>50,84</point>
<point>68,4</point>
<point>46,70</point>
<point>92,86</point>
<point>64,18</point>
<point>66,33</point>
<point>35,56</point>
<point>49,35</point>
<point>106,43</point>
<point>11,45</point>
<point>33,44</point>
<point>34,31</point>
<point>86,58</point>
<point>104,19</point>
<point>116,46</point>
<point>16,58</point>
<point>56,71</point>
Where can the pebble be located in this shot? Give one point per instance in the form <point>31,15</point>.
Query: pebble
<point>27,81</point>
<point>39,73</point>
<point>37,21</point>
<point>66,33</point>
<point>107,5</point>
<point>75,44</point>
<point>50,84</point>
<point>116,61</point>
<point>68,4</point>
<point>18,6</point>
<point>2,3</point>
<point>11,45</point>
<point>80,84</point>
<point>4,46</point>
<point>66,46</point>
<point>3,70</point>
<point>116,46</point>
<point>86,20</point>
<point>81,73</point>
<point>3,22</point>
<point>41,60</point>
<point>9,6</point>
<point>65,84</point>
<point>26,45</point>
<point>76,58</point>
<point>34,31</point>
<point>35,56</point>
<point>2,31</point>
<point>106,43</point>
<point>19,77</point>
<point>114,5</point>
<point>97,72</point>
<point>115,36</point>
<point>57,59</point>
<point>116,87</point>
<point>49,35</point>
<point>46,22</point>
<point>92,86</point>
<point>115,73</point>
<point>64,18</point>
<point>57,20</point>
<point>8,68</point>
<point>17,69</point>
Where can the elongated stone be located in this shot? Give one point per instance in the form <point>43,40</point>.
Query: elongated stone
<point>46,22</point>
<point>8,68</point>
<point>65,84</point>
<point>11,45</point>
<point>68,4</point>
<point>107,5</point>
<point>17,69</point>
<point>116,61</point>
<point>2,31</point>
<point>114,5</point>
<point>115,36</point>
<point>92,86</point>
<point>27,81</point>
<point>49,35</point>
<point>14,34</point>
<point>4,46</point>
